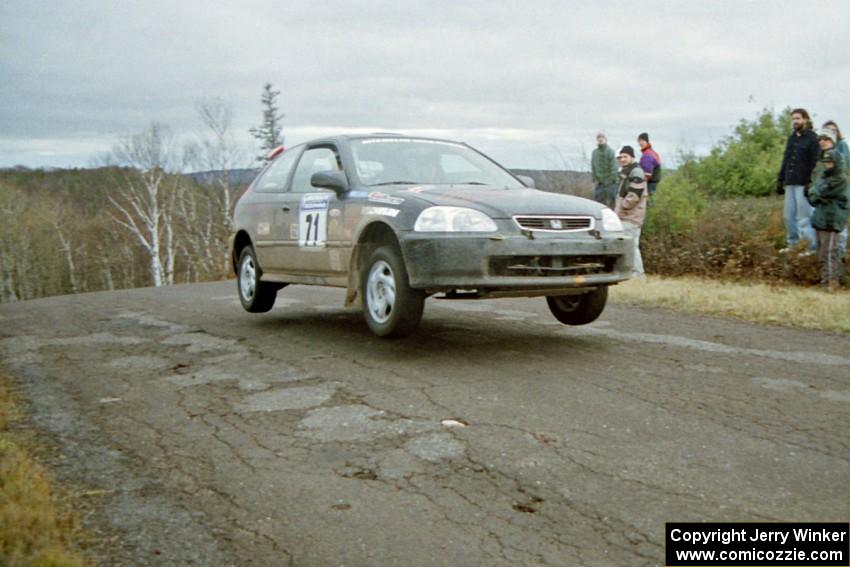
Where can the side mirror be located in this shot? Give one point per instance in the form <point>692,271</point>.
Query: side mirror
<point>527,181</point>
<point>333,180</point>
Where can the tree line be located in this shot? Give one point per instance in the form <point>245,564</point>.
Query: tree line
<point>133,220</point>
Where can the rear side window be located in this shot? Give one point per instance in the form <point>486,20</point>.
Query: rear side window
<point>275,178</point>
<point>313,161</point>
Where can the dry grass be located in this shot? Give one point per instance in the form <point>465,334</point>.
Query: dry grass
<point>36,530</point>
<point>791,306</point>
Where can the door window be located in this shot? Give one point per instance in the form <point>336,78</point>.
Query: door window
<point>275,178</point>
<point>313,161</point>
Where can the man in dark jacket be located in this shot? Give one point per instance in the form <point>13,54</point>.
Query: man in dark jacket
<point>801,154</point>
<point>603,167</point>
<point>829,196</point>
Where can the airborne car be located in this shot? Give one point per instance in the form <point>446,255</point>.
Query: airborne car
<point>396,219</point>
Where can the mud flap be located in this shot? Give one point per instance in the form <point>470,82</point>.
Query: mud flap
<point>351,292</point>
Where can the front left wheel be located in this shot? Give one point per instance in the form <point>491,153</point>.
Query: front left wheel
<point>390,306</point>
<point>256,295</point>
<point>578,309</point>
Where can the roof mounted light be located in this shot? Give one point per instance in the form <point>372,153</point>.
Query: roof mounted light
<point>274,153</point>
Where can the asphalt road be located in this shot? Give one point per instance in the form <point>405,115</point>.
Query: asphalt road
<point>205,435</point>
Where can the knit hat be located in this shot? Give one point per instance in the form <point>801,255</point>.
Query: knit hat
<point>827,133</point>
<point>627,150</point>
<point>644,136</point>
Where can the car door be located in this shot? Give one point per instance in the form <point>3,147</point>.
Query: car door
<point>273,211</point>
<point>314,236</point>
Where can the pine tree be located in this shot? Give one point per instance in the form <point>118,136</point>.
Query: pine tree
<point>269,132</point>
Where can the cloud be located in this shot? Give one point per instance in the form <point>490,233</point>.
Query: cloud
<point>513,76</point>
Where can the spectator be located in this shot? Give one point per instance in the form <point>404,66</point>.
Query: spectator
<point>603,167</point>
<point>829,196</point>
<point>631,200</point>
<point>841,148</point>
<point>840,143</point>
<point>650,163</point>
<point>795,174</point>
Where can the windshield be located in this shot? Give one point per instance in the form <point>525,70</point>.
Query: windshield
<point>385,161</point>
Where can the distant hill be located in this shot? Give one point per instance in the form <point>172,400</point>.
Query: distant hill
<point>238,177</point>
<point>556,181</point>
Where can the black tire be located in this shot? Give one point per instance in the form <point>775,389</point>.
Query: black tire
<point>578,309</point>
<point>256,295</point>
<point>391,307</point>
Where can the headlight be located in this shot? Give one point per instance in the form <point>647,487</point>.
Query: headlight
<point>610,221</point>
<point>453,219</point>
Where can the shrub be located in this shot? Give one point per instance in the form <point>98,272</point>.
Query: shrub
<point>734,239</point>
<point>676,205</point>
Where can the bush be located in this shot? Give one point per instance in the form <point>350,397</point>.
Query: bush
<point>734,239</point>
<point>676,205</point>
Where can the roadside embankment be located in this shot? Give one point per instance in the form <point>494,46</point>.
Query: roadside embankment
<point>791,306</point>
<point>36,525</point>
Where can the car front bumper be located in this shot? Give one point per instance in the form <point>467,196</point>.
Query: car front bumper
<point>491,263</point>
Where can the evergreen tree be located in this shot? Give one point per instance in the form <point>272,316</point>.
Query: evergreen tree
<point>269,132</point>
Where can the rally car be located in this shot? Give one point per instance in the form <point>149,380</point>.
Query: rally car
<point>395,219</point>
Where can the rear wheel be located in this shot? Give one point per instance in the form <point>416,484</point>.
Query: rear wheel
<point>578,309</point>
<point>390,306</point>
<point>256,296</point>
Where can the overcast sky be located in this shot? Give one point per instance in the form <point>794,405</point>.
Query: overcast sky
<point>528,82</point>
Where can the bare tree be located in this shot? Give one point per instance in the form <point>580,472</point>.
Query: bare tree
<point>10,210</point>
<point>60,216</point>
<point>145,202</point>
<point>217,153</point>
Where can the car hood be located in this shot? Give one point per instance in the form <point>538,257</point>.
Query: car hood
<point>498,202</point>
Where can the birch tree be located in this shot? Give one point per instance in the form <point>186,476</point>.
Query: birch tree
<point>217,153</point>
<point>144,203</point>
<point>10,210</point>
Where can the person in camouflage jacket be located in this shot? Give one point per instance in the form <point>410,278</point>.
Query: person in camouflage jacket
<point>844,150</point>
<point>829,197</point>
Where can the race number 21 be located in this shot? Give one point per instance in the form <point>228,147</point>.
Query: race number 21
<point>313,220</point>
<point>313,228</point>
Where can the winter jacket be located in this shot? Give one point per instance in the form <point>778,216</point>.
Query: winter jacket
<point>801,153</point>
<point>632,195</point>
<point>603,165</point>
<point>829,195</point>
<point>650,163</point>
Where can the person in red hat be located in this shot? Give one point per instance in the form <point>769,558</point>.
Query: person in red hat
<point>650,163</point>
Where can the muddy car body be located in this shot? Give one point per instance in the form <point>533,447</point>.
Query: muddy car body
<point>396,219</point>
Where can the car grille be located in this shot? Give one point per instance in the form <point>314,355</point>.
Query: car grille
<point>554,223</point>
<point>551,266</point>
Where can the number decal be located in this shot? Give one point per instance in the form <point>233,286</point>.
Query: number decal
<point>313,221</point>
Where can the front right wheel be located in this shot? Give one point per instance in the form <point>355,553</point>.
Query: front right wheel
<point>390,306</point>
<point>578,309</point>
